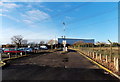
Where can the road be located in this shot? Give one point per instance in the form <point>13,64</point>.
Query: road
<point>54,66</point>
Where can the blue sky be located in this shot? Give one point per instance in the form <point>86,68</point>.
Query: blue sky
<point>37,21</point>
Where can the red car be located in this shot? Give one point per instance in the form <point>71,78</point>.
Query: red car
<point>12,50</point>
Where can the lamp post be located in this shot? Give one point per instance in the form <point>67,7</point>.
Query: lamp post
<point>64,41</point>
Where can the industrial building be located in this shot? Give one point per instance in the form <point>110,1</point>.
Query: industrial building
<point>72,40</point>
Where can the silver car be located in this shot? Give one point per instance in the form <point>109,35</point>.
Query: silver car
<point>1,50</point>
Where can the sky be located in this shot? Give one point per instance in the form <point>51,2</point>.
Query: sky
<point>37,21</point>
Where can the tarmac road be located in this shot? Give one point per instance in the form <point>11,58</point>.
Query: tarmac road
<point>54,66</point>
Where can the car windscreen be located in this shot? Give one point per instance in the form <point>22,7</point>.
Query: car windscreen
<point>6,49</point>
<point>20,49</point>
<point>12,49</point>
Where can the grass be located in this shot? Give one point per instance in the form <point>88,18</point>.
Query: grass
<point>105,51</point>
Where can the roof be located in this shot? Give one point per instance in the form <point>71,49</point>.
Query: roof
<point>76,38</point>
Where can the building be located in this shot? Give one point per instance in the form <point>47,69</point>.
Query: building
<point>72,40</point>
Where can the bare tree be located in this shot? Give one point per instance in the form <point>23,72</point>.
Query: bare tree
<point>42,42</point>
<point>24,41</point>
<point>32,44</point>
<point>17,40</point>
<point>52,42</point>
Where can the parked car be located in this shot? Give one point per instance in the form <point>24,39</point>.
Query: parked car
<point>26,49</point>
<point>43,47</point>
<point>36,48</point>
<point>1,50</point>
<point>29,49</point>
<point>12,50</point>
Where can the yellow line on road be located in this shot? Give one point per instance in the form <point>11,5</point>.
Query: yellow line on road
<point>101,66</point>
<point>117,76</point>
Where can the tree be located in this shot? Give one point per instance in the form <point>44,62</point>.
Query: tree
<point>102,44</point>
<point>83,44</point>
<point>52,42</point>
<point>42,42</point>
<point>17,40</point>
<point>78,43</point>
<point>115,44</point>
<point>24,42</point>
<point>32,44</point>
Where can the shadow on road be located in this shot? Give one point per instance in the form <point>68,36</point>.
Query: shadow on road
<point>35,72</point>
<point>69,50</point>
<point>32,55</point>
<point>49,70</point>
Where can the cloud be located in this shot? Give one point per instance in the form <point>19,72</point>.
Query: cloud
<point>3,10</point>
<point>1,15</point>
<point>1,3</point>
<point>28,21</point>
<point>34,16</point>
<point>9,5</point>
<point>68,17</point>
<point>45,8</point>
<point>66,5</point>
<point>5,7</point>
<point>10,17</point>
<point>38,5</point>
<point>38,15</point>
<point>49,9</point>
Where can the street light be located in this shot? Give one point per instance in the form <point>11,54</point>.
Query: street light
<point>64,41</point>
